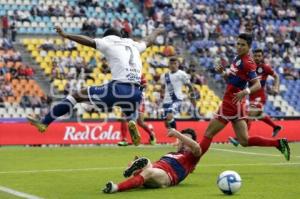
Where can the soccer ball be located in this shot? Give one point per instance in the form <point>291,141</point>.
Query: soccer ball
<point>229,182</point>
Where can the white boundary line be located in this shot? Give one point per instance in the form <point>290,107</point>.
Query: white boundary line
<point>250,153</point>
<point>119,168</point>
<point>18,193</point>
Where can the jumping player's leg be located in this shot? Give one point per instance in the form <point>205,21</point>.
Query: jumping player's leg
<point>214,127</point>
<point>63,107</point>
<point>123,132</point>
<point>141,123</point>
<point>256,112</point>
<point>240,129</point>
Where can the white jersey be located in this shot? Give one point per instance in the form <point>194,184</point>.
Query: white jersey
<point>174,86</point>
<point>123,57</point>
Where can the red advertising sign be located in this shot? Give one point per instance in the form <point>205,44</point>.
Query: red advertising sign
<point>109,133</point>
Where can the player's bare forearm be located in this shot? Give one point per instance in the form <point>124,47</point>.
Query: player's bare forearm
<point>255,86</point>
<point>151,38</point>
<point>276,81</point>
<point>195,147</point>
<point>81,39</point>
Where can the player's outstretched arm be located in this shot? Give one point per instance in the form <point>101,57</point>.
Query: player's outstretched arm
<point>81,39</point>
<point>150,39</point>
<point>276,83</point>
<point>195,147</point>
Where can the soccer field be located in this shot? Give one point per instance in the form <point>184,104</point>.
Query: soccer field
<point>81,172</point>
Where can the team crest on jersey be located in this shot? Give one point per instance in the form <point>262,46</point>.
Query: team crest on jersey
<point>259,70</point>
<point>238,63</point>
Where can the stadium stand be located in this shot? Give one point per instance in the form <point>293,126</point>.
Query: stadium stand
<point>20,94</point>
<point>206,27</point>
<point>39,17</point>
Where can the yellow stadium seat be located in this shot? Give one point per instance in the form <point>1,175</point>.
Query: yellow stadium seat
<point>58,41</point>
<point>159,71</point>
<point>108,76</point>
<point>103,115</point>
<point>66,53</point>
<point>149,77</point>
<point>34,41</point>
<point>48,59</point>
<point>51,53</point>
<point>86,116</point>
<point>98,82</point>
<point>26,41</point>
<point>39,59</point>
<point>59,53</point>
<point>48,70</point>
<point>60,87</point>
<point>30,47</point>
<point>90,82</point>
<point>95,116</point>
<point>35,53</point>
<point>74,53</point>
<point>57,82</point>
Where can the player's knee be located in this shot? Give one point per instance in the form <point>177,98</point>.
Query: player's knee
<point>147,173</point>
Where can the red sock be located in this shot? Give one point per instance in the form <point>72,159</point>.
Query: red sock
<point>249,123</point>
<point>204,144</point>
<point>261,141</point>
<point>266,119</point>
<point>147,129</point>
<point>124,130</point>
<point>133,182</point>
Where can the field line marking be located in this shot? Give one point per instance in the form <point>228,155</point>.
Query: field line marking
<point>250,153</point>
<point>18,193</point>
<point>117,168</point>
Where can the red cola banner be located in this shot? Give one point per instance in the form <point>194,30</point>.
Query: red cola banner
<point>21,133</point>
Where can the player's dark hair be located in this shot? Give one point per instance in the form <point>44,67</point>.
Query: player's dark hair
<point>258,50</point>
<point>173,59</point>
<point>112,31</point>
<point>190,132</point>
<point>246,37</point>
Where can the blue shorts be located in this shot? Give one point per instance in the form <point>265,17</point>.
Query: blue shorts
<point>125,95</point>
<point>173,107</point>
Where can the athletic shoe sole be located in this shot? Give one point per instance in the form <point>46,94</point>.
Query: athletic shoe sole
<point>41,127</point>
<point>136,165</point>
<point>134,133</point>
<point>107,188</point>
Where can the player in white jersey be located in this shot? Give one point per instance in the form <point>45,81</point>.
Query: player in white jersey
<point>123,56</point>
<point>172,91</point>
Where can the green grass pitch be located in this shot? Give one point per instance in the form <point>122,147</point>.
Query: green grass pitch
<point>81,172</point>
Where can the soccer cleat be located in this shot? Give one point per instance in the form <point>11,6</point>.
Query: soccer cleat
<point>136,165</point>
<point>284,148</point>
<point>276,130</point>
<point>152,141</point>
<point>134,133</point>
<point>110,187</point>
<point>233,141</point>
<point>123,143</point>
<point>37,123</point>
